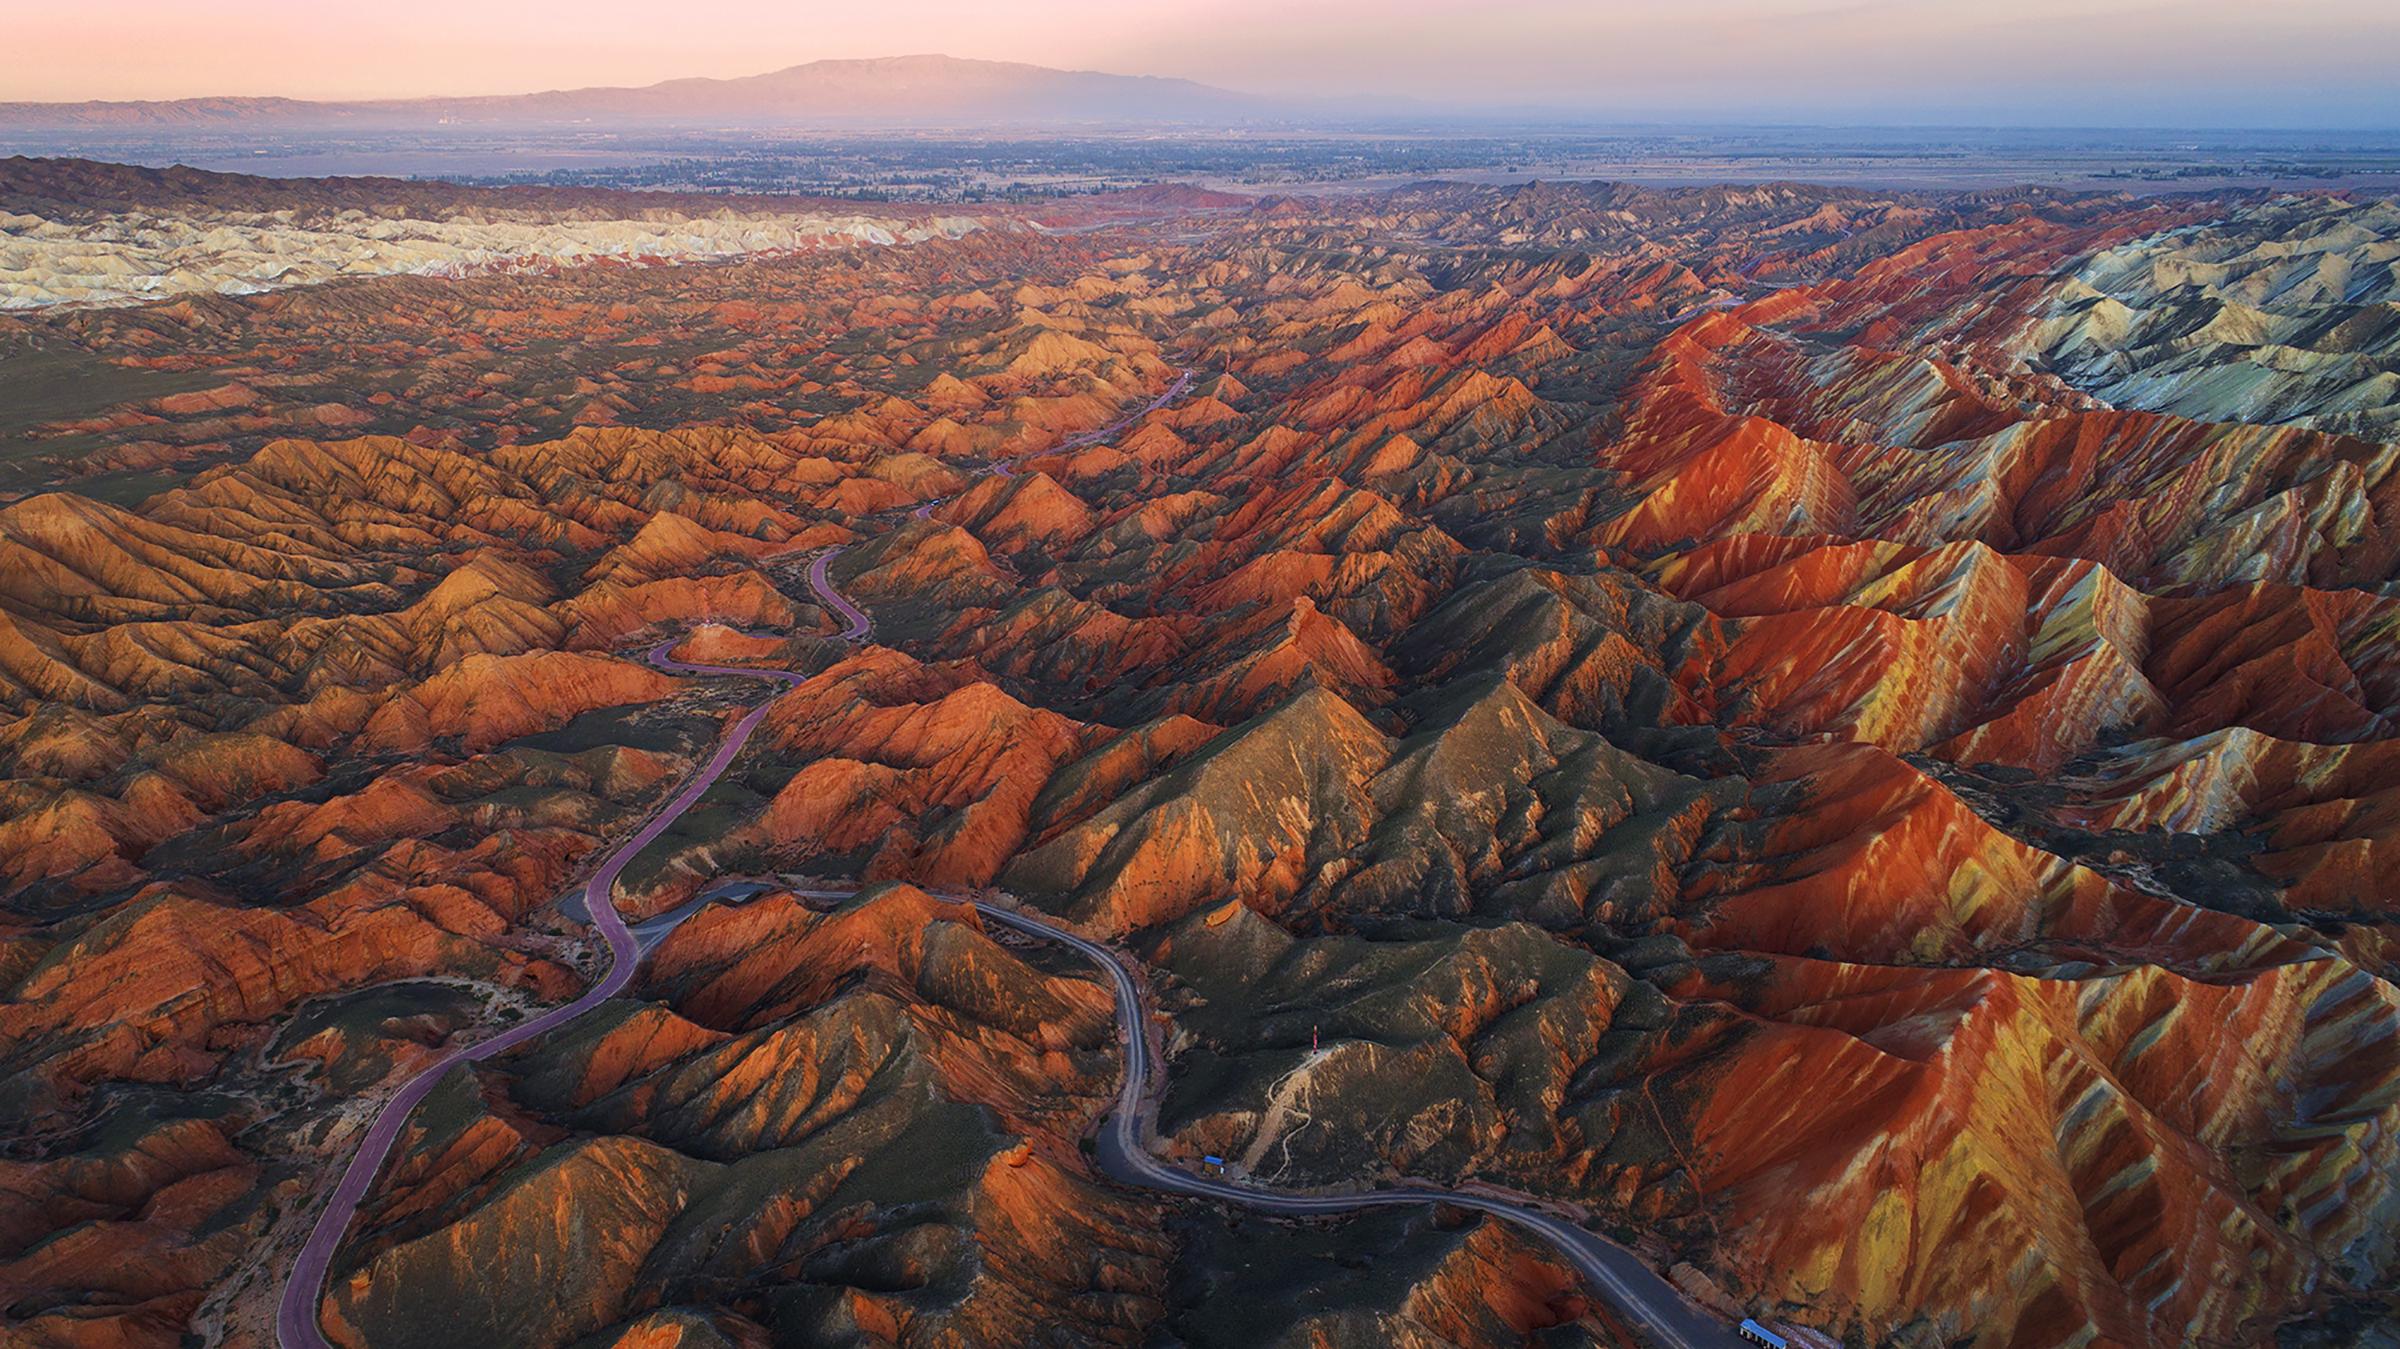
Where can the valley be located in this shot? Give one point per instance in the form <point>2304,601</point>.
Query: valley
<point>1623,757</point>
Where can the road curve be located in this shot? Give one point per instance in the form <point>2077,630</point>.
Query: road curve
<point>821,583</point>
<point>1183,383</point>
<point>1007,468</point>
<point>303,1290</point>
<point>1638,1294</point>
<point>1655,1309</point>
<point>296,1313</point>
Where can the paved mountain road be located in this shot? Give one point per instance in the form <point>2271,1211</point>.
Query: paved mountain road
<point>855,617</point>
<point>1639,1295</point>
<point>1007,468</point>
<point>1649,1303</point>
<point>296,1314</point>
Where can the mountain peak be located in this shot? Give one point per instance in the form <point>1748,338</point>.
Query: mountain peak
<point>918,89</point>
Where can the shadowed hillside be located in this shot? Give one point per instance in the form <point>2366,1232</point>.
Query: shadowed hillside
<point>1841,740</point>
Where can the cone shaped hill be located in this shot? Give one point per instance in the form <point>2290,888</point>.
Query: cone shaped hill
<point>1843,741</point>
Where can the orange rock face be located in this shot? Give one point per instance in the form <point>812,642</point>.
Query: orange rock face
<point>1799,725</point>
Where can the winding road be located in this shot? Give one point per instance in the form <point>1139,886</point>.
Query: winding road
<point>1086,439</point>
<point>1647,1302</point>
<point>1650,1304</point>
<point>296,1314</point>
<point>1007,468</point>
<point>821,583</point>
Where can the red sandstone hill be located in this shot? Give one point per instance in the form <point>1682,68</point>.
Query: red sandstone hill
<point>1822,777</point>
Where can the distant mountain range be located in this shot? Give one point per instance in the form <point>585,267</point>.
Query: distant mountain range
<point>897,90</point>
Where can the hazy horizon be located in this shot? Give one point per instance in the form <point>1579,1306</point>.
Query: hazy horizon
<point>2161,64</point>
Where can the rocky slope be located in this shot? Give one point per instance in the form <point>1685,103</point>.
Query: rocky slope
<point>1708,708</point>
<point>2278,313</point>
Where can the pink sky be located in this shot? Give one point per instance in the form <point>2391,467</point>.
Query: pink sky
<point>2197,62</point>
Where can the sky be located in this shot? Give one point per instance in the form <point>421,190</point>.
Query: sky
<point>2180,63</point>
